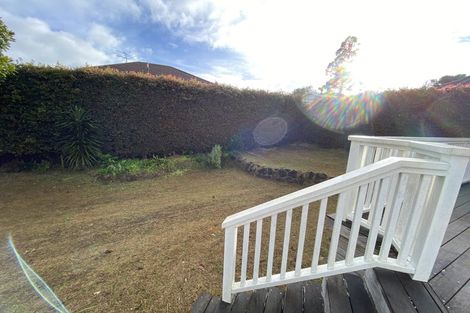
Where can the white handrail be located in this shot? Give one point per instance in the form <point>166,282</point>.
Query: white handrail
<point>436,148</point>
<point>334,186</point>
<point>454,141</point>
<point>390,178</point>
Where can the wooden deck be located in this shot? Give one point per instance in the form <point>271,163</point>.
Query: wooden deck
<point>451,274</point>
<point>343,293</point>
<point>448,290</point>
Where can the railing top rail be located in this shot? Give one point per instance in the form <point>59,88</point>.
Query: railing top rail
<point>433,139</point>
<point>400,142</point>
<point>336,185</point>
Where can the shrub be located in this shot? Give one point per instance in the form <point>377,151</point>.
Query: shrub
<point>235,143</point>
<point>18,165</point>
<point>79,145</point>
<point>424,112</point>
<point>129,169</point>
<point>214,158</point>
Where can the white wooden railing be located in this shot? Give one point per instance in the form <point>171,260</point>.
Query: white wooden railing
<point>288,233</point>
<point>366,149</point>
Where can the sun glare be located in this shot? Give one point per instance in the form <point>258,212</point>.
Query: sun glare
<point>341,112</point>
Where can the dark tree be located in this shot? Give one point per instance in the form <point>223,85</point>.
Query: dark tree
<point>6,36</point>
<point>339,77</point>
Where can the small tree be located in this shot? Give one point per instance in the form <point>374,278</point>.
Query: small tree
<point>336,70</point>
<point>6,37</point>
<point>448,79</point>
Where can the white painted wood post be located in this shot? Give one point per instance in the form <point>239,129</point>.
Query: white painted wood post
<point>356,151</point>
<point>433,228</point>
<point>355,158</point>
<point>230,252</point>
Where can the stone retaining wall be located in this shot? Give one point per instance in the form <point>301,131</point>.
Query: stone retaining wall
<point>281,174</point>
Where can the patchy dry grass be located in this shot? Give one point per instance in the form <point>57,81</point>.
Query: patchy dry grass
<point>303,157</point>
<point>152,245</point>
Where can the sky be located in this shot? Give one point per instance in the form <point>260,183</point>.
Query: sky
<point>273,45</point>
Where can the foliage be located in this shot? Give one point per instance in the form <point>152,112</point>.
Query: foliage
<point>214,158</point>
<point>339,77</point>
<point>79,144</point>
<point>137,115</point>
<point>424,112</point>
<point>18,165</point>
<point>446,79</point>
<point>6,37</point>
<point>132,168</point>
<point>302,94</point>
<point>235,143</point>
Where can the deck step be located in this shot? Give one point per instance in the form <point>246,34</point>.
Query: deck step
<point>333,295</point>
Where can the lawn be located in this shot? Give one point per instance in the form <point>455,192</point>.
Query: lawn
<point>303,157</point>
<point>150,245</point>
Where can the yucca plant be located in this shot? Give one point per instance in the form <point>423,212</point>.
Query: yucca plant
<point>79,143</point>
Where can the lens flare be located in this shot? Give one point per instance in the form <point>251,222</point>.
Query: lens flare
<point>38,284</point>
<point>341,112</point>
<point>270,131</point>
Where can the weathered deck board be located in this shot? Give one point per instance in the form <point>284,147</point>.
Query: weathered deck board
<point>359,298</point>
<point>395,292</point>
<point>201,303</point>
<point>274,300</point>
<point>449,281</point>
<point>240,304</point>
<point>338,295</point>
<point>257,301</point>
<point>461,301</point>
<point>451,274</point>
<point>294,298</point>
<point>420,296</point>
<point>313,300</point>
<point>455,228</point>
<point>451,251</point>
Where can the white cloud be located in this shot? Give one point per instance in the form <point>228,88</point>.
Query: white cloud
<point>36,41</point>
<point>101,36</point>
<point>288,44</point>
<point>283,44</point>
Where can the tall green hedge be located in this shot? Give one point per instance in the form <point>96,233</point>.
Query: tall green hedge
<point>138,115</point>
<point>424,112</point>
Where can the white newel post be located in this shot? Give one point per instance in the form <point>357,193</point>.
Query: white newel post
<point>230,249</point>
<point>355,156</point>
<point>356,151</point>
<point>437,216</point>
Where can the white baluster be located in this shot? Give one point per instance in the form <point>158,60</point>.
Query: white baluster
<point>355,225</point>
<point>336,233</point>
<point>423,191</point>
<point>272,240</point>
<point>376,215</point>
<point>246,242</point>
<point>319,234</point>
<point>285,247</point>
<point>259,228</point>
<point>300,246</point>
<point>393,217</point>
